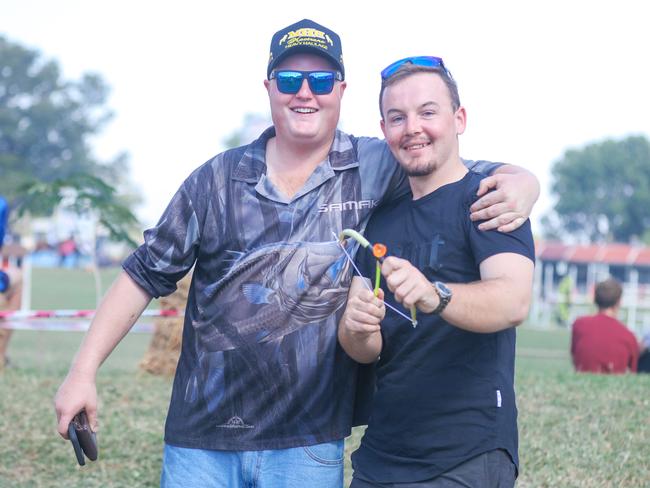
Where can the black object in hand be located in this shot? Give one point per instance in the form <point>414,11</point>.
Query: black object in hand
<point>84,440</point>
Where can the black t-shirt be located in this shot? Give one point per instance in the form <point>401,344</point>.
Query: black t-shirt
<point>444,395</point>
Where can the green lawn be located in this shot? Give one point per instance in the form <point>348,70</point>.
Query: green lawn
<point>575,430</point>
<point>133,411</point>
<point>62,288</point>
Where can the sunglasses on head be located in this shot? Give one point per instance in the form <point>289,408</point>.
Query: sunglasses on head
<point>426,61</point>
<point>320,82</point>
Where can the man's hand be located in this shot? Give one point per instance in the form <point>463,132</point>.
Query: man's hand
<point>359,330</point>
<point>510,203</point>
<point>77,392</point>
<point>364,313</point>
<point>409,285</point>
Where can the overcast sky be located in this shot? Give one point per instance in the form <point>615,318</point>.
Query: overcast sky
<point>537,78</point>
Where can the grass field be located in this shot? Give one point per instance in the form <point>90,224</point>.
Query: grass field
<point>575,430</point>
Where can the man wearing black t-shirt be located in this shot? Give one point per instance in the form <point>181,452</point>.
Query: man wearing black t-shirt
<point>444,411</point>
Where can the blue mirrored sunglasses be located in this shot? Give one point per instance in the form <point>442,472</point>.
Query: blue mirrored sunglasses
<point>427,61</point>
<point>320,82</point>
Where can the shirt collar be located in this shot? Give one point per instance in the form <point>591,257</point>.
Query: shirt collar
<point>252,165</point>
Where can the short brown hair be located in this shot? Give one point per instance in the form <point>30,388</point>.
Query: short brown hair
<point>608,293</point>
<point>409,69</point>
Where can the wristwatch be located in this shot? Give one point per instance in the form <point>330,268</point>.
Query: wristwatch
<point>444,294</point>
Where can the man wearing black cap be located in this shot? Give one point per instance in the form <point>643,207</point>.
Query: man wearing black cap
<point>308,37</point>
<point>263,394</point>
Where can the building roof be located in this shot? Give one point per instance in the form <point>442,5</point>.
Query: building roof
<point>614,253</point>
<point>643,257</point>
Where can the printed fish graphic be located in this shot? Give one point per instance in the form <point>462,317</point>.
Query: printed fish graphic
<point>272,291</point>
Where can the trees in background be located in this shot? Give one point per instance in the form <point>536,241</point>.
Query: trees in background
<point>602,192</point>
<point>46,124</point>
<point>252,126</point>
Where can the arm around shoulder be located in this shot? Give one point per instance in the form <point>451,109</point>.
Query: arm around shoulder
<point>506,198</point>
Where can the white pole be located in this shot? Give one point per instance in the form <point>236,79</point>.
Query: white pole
<point>535,314</point>
<point>548,293</point>
<point>93,255</point>
<point>632,295</point>
<point>26,295</point>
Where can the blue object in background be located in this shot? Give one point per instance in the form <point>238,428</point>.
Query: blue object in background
<point>4,215</point>
<point>4,281</point>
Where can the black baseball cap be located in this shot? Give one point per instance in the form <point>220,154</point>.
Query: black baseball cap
<point>306,36</point>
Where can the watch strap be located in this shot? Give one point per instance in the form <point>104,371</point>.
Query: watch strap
<point>444,299</point>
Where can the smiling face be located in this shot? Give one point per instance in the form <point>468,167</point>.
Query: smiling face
<point>420,124</point>
<point>304,118</point>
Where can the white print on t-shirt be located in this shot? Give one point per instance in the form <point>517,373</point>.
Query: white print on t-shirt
<point>349,205</point>
<point>236,422</point>
<point>498,398</point>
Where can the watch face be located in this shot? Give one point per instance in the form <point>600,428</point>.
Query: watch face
<point>442,288</point>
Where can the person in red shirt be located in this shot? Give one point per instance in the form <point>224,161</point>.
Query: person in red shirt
<point>600,343</point>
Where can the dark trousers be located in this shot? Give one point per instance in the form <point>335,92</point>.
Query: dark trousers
<point>644,362</point>
<point>493,469</point>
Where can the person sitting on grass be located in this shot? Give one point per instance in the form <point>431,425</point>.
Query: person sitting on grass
<point>600,343</point>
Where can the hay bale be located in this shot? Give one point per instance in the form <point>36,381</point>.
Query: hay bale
<point>5,335</point>
<point>165,346</point>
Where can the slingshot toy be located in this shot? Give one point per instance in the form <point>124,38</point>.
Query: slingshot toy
<point>378,251</point>
<point>84,440</point>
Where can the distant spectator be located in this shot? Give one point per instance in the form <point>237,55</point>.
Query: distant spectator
<point>68,252</point>
<point>42,245</point>
<point>600,343</point>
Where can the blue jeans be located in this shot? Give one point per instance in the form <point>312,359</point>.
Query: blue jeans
<point>318,466</point>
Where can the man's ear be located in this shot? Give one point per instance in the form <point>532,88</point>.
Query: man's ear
<point>460,119</point>
<point>341,89</point>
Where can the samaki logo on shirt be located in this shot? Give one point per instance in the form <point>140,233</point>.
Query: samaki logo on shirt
<point>350,205</point>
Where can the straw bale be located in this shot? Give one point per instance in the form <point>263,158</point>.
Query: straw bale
<point>165,346</point>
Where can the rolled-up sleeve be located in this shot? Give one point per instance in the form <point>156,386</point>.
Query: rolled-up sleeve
<point>171,247</point>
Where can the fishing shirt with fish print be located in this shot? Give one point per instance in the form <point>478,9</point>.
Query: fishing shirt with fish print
<point>260,366</point>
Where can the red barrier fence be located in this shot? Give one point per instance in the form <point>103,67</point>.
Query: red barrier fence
<point>68,320</point>
<point>67,314</point>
